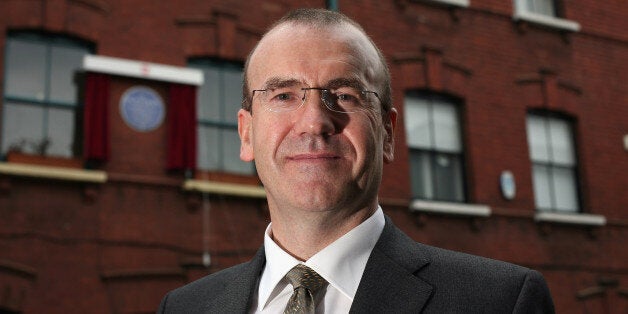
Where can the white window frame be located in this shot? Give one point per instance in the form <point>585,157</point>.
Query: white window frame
<point>432,100</point>
<point>552,163</point>
<point>521,13</point>
<point>216,124</point>
<point>45,102</point>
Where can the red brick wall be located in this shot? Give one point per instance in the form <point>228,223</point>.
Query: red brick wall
<point>119,246</point>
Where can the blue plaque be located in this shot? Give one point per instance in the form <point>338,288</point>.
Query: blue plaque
<point>142,108</point>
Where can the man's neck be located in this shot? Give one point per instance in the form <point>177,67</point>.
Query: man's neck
<point>305,234</point>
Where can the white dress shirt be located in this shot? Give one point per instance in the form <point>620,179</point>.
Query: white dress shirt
<point>341,263</point>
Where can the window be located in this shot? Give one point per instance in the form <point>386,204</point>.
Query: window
<point>218,102</point>
<point>545,7</point>
<point>544,12</point>
<point>40,105</point>
<point>436,153</point>
<point>554,163</point>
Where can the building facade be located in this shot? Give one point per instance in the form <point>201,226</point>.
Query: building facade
<point>120,178</point>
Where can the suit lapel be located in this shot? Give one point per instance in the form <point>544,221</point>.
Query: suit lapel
<point>237,293</point>
<point>388,284</point>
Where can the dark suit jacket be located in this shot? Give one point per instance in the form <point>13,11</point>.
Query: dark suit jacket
<point>401,276</point>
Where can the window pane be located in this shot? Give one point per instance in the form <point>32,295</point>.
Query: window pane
<point>537,138</point>
<point>231,156</point>
<point>22,128</point>
<point>25,69</point>
<point>561,143</point>
<point>60,132</point>
<point>545,7</point>
<point>421,175</point>
<point>448,175</point>
<point>219,100</point>
<point>232,95</point>
<point>208,101</point>
<point>208,148</point>
<point>446,130</point>
<point>541,183</point>
<point>565,190</point>
<point>417,123</point>
<point>65,62</point>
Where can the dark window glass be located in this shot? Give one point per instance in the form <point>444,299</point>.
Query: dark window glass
<point>436,152</point>
<point>218,102</point>
<point>40,101</point>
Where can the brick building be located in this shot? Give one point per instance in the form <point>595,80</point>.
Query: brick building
<point>120,180</point>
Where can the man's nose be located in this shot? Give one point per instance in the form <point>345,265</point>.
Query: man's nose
<point>314,117</point>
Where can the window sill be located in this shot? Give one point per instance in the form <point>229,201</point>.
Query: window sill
<point>232,189</point>
<point>52,172</point>
<point>572,219</point>
<point>445,208</point>
<point>455,3</point>
<point>549,21</point>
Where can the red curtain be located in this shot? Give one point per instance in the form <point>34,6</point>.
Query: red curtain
<point>182,127</point>
<point>96,117</point>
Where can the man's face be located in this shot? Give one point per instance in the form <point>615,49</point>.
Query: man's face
<point>313,159</point>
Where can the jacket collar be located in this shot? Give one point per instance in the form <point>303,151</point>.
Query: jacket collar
<point>238,293</point>
<point>389,283</point>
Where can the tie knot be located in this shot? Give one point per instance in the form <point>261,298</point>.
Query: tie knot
<point>303,276</point>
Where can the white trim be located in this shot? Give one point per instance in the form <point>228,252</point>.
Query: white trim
<point>575,218</point>
<point>141,69</point>
<point>547,20</point>
<point>48,172</point>
<point>457,3</point>
<point>450,208</point>
<point>233,189</point>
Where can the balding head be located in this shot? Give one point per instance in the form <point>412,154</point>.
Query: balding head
<point>324,20</point>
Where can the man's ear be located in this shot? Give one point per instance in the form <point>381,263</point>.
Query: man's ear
<point>390,123</point>
<point>245,122</point>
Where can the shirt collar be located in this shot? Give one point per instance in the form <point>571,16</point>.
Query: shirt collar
<point>341,263</point>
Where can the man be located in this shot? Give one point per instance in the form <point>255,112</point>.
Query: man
<point>318,121</point>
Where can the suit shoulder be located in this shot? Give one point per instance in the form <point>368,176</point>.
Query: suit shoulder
<point>468,263</point>
<point>226,291</point>
<point>210,283</point>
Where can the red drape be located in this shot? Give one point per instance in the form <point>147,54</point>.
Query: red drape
<point>182,127</point>
<point>96,117</point>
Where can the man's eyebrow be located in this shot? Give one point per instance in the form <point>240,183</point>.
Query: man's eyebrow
<point>278,82</point>
<point>345,82</point>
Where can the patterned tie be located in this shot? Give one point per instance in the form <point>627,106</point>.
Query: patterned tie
<point>306,282</point>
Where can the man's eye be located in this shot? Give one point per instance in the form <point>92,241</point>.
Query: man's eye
<point>283,97</point>
<point>346,97</point>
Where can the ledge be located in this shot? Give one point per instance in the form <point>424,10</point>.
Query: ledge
<point>232,189</point>
<point>456,3</point>
<point>18,268</point>
<point>572,219</point>
<point>549,21</point>
<point>56,173</point>
<point>431,207</point>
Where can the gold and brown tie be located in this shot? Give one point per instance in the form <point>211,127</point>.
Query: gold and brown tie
<point>306,283</point>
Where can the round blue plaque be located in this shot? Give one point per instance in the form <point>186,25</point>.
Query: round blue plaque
<point>142,108</point>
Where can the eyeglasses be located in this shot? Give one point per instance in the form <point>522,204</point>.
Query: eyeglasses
<point>343,99</point>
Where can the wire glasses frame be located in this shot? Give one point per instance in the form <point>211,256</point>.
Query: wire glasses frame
<point>341,100</point>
